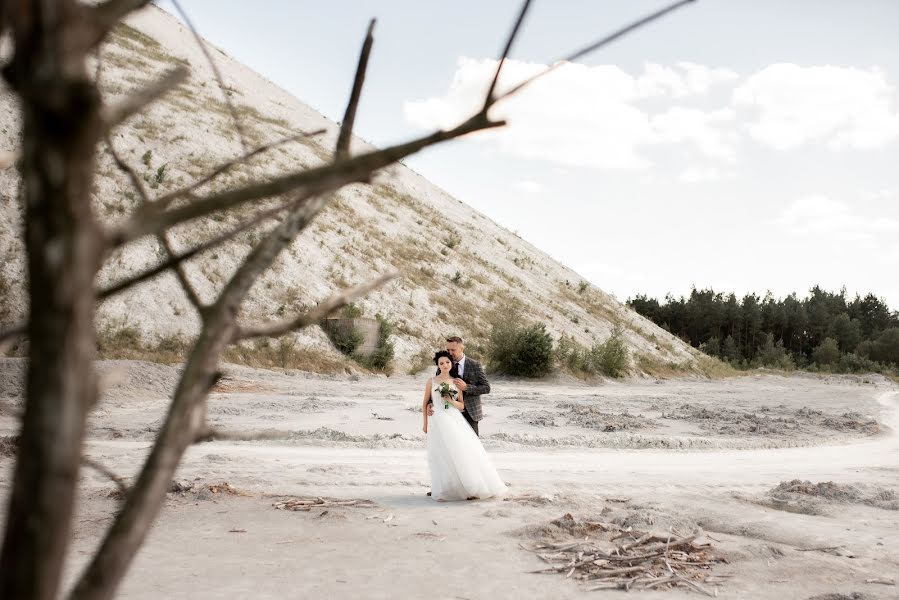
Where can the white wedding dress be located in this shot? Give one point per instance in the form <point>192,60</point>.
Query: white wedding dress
<point>459,465</point>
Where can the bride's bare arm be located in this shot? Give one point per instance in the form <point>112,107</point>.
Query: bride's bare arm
<point>424,404</point>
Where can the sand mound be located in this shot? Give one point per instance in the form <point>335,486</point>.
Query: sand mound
<point>206,491</point>
<point>771,421</point>
<point>806,497</point>
<point>537,418</point>
<point>590,416</point>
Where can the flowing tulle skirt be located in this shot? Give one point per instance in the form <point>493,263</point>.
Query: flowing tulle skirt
<point>459,465</point>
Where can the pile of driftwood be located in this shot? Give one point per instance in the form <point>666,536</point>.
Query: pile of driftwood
<point>308,503</point>
<point>625,559</point>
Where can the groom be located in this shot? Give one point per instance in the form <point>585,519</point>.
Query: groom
<point>468,377</point>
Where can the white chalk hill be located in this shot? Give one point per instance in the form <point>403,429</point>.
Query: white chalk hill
<point>367,231</point>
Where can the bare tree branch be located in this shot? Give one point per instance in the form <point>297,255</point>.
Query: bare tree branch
<point>103,294</point>
<point>163,201</point>
<point>162,236</point>
<point>176,259</point>
<point>597,45</point>
<point>106,472</point>
<point>307,183</point>
<point>349,117</point>
<point>278,328</point>
<point>218,75</point>
<point>107,15</point>
<point>181,273</point>
<point>489,99</point>
<point>14,331</point>
<point>135,103</point>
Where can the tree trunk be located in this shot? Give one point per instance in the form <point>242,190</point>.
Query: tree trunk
<point>61,125</point>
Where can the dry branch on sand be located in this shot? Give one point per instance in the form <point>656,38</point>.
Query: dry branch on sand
<point>306,504</point>
<point>626,559</point>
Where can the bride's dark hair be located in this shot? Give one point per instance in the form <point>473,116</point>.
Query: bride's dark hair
<point>438,356</point>
<point>441,354</point>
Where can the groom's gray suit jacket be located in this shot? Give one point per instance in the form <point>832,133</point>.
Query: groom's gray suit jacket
<point>477,384</point>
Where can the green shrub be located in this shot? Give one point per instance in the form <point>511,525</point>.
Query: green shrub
<point>611,357</point>
<point>886,346</point>
<point>520,350</point>
<point>345,337</point>
<point>827,352</point>
<point>730,351</point>
<point>853,363</point>
<point>351,311</point>
<point>712,347</point>
<point>380,359</point>
<point>573,357</point>
<point>774,355</point>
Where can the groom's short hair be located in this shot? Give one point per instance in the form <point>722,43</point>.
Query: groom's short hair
<point>455,338</point>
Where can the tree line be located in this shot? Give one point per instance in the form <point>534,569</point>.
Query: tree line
<point>824,330</point>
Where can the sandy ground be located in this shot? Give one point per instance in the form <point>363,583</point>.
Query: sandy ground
<point>654,455</point>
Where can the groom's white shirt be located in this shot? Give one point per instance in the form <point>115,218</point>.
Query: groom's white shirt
<point>460,366</point>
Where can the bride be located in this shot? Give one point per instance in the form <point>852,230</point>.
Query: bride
<point>459,465</point>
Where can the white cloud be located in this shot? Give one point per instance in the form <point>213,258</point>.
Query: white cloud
<point>529,187</point>
<point>702,174</point>
<point>882,194</point>
<point>688,79</point>
<point>702,128</point>
<point>585,115</point>
<point>842,106</point>
<point>819,215</point>
<point>891,256</point>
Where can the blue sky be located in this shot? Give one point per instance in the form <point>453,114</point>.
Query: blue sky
<point>743,145</point>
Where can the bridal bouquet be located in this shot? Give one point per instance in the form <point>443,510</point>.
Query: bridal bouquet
<point>446,392</point>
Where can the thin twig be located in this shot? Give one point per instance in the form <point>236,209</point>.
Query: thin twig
<point>307,183</point>
<point>278,328</point>
<point>489,99</point>
<point>162,236</point>
<point>14,331</point>
<point>819,549</point>
<point>349,117</point>
<point>597,45</point>
<point>108,473</point>
<point>138,101</point>
<point>181,273</point>
<point>107,15</point>
<point>175,260</point>
<point>163,201</point>
<point>215,70</point>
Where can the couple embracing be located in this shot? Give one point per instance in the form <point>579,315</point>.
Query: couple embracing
<point>459,465</point>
